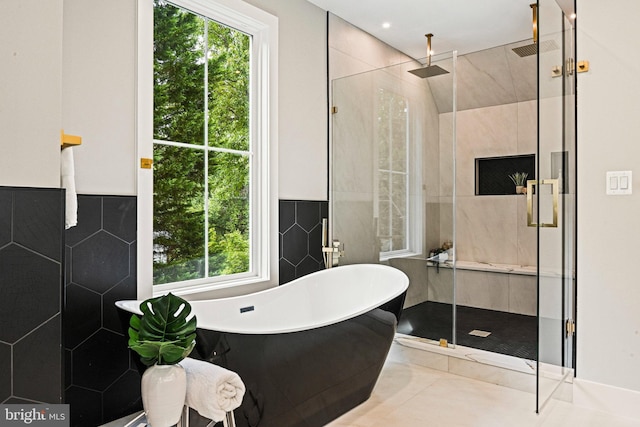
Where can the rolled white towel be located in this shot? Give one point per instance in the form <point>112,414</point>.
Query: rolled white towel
<point>211,389</point>
<point>68,182</point>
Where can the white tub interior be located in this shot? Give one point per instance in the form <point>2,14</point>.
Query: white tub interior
<point>318,299</point>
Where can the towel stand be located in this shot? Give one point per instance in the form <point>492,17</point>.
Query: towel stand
<point>228,421</point>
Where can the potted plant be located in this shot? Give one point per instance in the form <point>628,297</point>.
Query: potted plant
<point>163,336</point>
<point>520,180</point>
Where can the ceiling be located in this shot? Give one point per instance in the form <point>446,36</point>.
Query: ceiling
<point>462,25</point>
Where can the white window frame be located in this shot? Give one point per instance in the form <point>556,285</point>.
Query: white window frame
<point>263,27</point>
<point>414,200</point>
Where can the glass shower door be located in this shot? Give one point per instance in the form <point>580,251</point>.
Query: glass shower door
<point>552,197</point>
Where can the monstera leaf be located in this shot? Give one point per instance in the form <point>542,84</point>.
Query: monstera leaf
<point>163,335</point>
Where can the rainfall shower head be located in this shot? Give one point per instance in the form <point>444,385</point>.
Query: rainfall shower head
<point>532,49</point>
<point>535,47</point>
<point>429,70</point>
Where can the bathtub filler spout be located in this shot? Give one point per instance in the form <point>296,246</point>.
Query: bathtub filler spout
<point>332,253</point>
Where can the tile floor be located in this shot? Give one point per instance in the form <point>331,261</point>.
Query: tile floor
<point>410,395</point>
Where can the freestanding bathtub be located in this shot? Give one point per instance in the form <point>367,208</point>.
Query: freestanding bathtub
<point>308,351</point>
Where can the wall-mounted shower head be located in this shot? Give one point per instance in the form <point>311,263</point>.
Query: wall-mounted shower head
<point>429,70</point>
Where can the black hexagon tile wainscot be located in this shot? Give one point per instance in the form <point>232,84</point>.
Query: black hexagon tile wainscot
<point>85,362</point>
<point>300,237</point>
<point>31,260</point>
<point>102,384</point>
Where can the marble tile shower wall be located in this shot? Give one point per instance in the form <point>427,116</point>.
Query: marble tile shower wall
<point>300,237</point>
<point>490,229</point>
<point>31,268</point>
<point>102,383</point>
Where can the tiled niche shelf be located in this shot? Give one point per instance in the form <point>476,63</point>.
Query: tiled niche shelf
<point>492,173</point>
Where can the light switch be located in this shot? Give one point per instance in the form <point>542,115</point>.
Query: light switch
<point>619,183</point>
<point>624,182</point>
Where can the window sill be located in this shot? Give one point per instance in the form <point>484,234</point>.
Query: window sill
<point>215,290</point>
<point>399,254</point>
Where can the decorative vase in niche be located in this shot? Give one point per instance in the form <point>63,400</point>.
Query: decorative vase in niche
<point>164,388</point>
<point>521,189</point>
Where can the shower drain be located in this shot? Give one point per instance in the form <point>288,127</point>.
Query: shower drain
<point>479,333</point>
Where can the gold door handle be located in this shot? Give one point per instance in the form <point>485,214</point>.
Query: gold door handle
<point>554,188</point>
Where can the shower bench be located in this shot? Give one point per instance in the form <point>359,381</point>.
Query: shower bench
<point>502,287</point>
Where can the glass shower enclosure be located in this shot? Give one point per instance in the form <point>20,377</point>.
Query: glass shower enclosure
<point>393,188</point>
<point>392,180</point>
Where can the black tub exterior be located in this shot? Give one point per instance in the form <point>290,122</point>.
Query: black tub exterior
<point>305,378</point>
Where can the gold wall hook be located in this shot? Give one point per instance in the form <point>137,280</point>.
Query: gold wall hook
<point>67,140</point>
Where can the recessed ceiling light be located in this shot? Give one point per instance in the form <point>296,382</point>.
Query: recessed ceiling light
<point>386,25</point>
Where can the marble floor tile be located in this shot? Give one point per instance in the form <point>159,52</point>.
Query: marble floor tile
<point>409,395</point>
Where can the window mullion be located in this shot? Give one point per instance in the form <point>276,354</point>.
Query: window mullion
<point>206,145</point>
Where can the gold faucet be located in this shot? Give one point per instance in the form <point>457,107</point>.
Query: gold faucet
<point>331,253</point>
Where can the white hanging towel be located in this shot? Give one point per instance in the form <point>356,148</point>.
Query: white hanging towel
<point>68,182</point>
<point>211,389</point>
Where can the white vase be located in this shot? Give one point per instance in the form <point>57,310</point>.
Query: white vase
<point>163,388</point>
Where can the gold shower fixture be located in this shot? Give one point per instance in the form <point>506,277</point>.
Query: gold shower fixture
<point>534,7</point>
<point>533,48</point>
<point>429,70</point>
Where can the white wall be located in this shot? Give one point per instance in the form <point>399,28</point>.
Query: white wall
<point>608,323</point>
<point>302,140</point>
<point>30,92</point>
<point>98,102</point>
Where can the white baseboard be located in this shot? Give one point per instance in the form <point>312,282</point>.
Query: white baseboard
<point>614,400</point>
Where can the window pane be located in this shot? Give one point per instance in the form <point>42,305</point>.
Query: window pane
<point>229,250</point>
<point>393,169</point>
<point>178,214</point>
<point>229,69</point>
<point>178,69</point>
<point>399,133</point>
<point>202,74</point>
<point>399,216</point>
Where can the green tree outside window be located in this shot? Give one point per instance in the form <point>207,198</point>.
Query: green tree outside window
<point>202,162</point>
